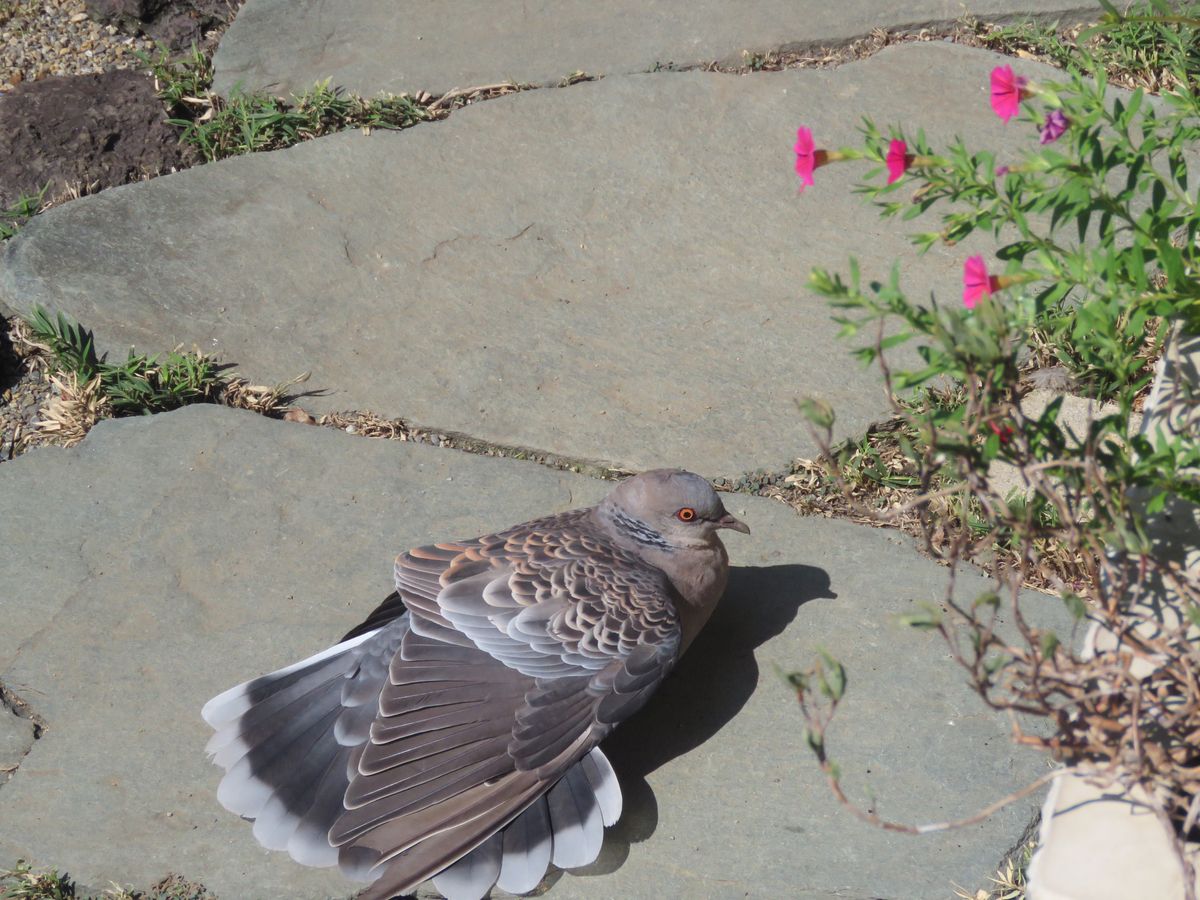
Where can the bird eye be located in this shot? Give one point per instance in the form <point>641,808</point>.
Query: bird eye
<point>686,514</point>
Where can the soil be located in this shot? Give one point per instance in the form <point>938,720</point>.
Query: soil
<point>79,134</point>
<point>176,23</point>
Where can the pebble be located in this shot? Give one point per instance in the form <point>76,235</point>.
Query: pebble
<point>40,38</point>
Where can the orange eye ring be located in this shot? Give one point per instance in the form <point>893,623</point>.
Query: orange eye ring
<point>686,514</point>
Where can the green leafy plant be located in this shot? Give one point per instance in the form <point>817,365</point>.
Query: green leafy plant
<point>247,122</point>
<point>139,384</point>
<point>1095,268</point>
<point>22,883</point>
<point>181,80</point>
<point>27,206</point>
<point>1144,50</point>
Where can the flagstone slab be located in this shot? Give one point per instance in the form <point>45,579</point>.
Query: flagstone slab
<point>213,545</point>
<point>614,272</point>
<point>372,46</point>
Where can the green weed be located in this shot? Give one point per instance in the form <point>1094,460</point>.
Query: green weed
<point>181,81</point>
<point>15,217</point>
<point>139,385</point>
<point>1141,50</point>
<point>22,883</point>
<point>247,122</point>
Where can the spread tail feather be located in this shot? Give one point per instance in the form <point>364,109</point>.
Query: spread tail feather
<point>277,739</point>
<point>291,741</point>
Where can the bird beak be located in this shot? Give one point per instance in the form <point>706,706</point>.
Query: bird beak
<point>728,521</point>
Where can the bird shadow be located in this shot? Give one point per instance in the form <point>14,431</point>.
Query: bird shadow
<point>709,686</point>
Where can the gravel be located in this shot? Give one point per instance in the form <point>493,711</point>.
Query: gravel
<point>40,38</point>
<point>24,388</point>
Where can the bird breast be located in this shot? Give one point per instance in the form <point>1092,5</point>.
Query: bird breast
<point>699,579</point>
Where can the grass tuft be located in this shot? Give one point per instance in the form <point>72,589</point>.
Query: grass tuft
<point>1009,881</point>
<point>27,206</point>
<point>139,385</point>
<point>874,480</point>
<point>86,388</point>
<point>1133,53</point>
<point>248,122</point>
<point>22,883</point>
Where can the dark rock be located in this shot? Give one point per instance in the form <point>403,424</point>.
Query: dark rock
<point>176,23</point>
<point>122,11</point>
<point>94,131</point>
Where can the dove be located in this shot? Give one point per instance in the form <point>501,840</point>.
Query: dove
<point>454,734</point>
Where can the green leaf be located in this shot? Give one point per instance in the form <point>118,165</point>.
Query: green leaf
<point>991,447</point>
<point>994,663</point>
<point>1075,605</point>
<point>988,598</point>
<point>835,675</point>
<point>927,619</point>
<point>1135,103</point>
<point>1049,643</point>
<point>815,742</point>
<point>817,411</point>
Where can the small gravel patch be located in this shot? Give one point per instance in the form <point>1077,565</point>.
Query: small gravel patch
<point>19,406</point>
<point>41,38</point>
<point>24,387</point>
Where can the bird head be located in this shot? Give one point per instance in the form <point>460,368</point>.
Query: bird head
<point>668,506</point>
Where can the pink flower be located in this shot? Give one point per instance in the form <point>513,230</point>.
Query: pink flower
<point>976,281</point>
<point>1008,90</point>
<point>898,160</point>
<point>1004,432</point>
<point>1054,127</point>
<point>1001,171</point>
<point>808,158</point>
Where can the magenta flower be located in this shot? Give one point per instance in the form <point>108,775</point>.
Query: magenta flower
<point>898,160</point>
<point>976,281</point>
<point>1008,90</point>
<point>1001,171</point>
<point>808,158</point>
<point>1054,127</point>
<point>1004,432</point>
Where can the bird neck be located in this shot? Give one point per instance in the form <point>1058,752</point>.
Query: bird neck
<point>630,532</point>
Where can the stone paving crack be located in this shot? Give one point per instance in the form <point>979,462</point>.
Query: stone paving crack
<point>12,704</point>
<point>368,424</point>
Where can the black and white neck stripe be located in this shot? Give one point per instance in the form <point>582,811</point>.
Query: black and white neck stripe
<point>639,531</point>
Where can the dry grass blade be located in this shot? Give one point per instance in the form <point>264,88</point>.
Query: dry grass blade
<point>459,97</point>
<point>271,400</point>
<point>28,351</point>
<point>369,424</point>
<point>73,409</point>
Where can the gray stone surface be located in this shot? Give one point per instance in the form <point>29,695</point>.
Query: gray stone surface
<point>368,46</point>
<point>174,555</point>
<point>615,271</point>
